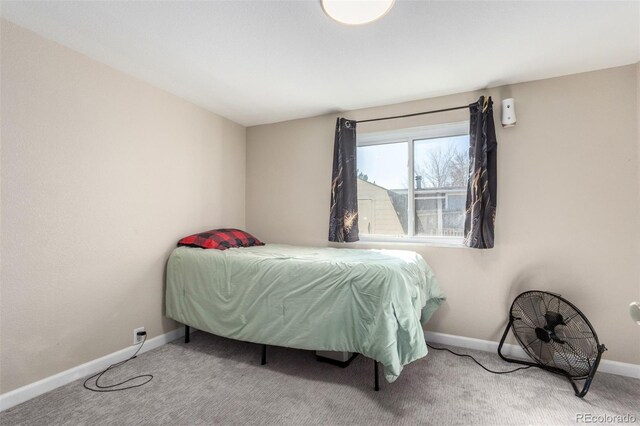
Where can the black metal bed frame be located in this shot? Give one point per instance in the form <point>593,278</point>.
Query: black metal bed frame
<point>263,361</point>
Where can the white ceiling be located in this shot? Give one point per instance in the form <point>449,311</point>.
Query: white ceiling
<point>267,61</point>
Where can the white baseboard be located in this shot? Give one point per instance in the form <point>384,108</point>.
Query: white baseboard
<point>606,366</point>
<point>20,395</point>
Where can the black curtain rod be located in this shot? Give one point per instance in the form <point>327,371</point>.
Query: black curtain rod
<point>414,114</point>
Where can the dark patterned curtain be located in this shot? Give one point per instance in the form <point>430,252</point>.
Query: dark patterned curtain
<point>480,216</point>
<point>343,218</point>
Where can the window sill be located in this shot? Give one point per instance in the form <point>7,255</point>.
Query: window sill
<point>448,242</point>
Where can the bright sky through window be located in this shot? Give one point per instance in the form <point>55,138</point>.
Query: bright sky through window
<point>384,164</point>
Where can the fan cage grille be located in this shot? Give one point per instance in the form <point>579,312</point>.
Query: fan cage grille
<point>572,345</point>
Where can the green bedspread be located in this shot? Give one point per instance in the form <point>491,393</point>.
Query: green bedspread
<point>372,302</point>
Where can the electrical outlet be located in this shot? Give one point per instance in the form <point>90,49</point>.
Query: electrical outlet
<point>137,339</point>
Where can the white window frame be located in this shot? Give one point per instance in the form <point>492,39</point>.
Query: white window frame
<point>410,136</point>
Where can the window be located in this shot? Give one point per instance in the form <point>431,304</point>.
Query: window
<point>412,183</point>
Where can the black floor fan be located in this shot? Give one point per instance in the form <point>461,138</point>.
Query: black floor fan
<point>556,335</point>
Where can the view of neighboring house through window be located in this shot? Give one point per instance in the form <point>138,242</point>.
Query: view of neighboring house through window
<point>412,183</point>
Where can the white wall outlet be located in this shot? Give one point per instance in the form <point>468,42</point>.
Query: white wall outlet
<point>137,339</point>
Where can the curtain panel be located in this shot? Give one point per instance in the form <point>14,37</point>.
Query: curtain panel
<point>479,224</point>
<point>343,217</point>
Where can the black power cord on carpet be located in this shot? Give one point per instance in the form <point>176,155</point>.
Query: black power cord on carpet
<point>477,362</point>
<point>112,388</point>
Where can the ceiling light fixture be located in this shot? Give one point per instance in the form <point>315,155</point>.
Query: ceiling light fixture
<point>356,12</point>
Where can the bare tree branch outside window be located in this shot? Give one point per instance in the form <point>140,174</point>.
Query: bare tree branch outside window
<point>443,167</point>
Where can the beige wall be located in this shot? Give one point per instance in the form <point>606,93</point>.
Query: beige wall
<point>101,174</point>
<point>568,208</point>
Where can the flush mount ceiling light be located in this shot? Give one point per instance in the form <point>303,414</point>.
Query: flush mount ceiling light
<point>356,12</point>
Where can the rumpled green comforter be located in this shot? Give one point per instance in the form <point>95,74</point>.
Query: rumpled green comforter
<point>373,302</point>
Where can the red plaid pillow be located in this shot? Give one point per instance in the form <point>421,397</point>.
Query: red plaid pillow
<point>220,239</point>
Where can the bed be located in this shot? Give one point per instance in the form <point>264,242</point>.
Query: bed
<point>371,302</point>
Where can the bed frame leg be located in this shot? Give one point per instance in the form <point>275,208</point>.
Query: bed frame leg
<point>187,336</point>
<point>264,355</point>
<point>377,387</point>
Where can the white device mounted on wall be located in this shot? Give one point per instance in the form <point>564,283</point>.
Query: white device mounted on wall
<point>508,113</point>
<point>634,311</point>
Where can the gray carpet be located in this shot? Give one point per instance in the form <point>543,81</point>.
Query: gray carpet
<point>213,380</point>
